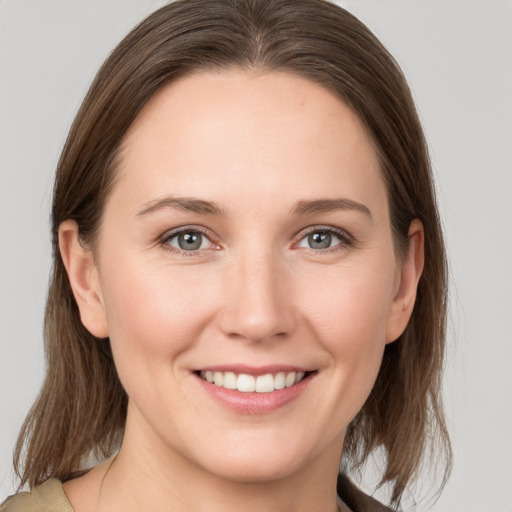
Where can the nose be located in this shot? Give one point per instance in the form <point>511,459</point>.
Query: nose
<point>258,300</point>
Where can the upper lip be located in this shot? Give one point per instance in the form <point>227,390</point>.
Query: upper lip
<point>254,370</point>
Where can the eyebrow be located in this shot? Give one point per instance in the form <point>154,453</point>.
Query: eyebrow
<point>328,205</point>
<point>187,204</point>
<point>203,207</point>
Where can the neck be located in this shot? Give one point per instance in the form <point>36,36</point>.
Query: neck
<point>152,476</point>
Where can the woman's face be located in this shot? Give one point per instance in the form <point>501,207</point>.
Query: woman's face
<point>247,240</point>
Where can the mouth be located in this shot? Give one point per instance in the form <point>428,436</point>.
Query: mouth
<point>247,383</point>
<point>255,390</point>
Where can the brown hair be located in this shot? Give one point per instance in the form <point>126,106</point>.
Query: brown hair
<point>81,409</point>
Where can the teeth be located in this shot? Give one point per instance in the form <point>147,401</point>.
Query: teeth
<point>218,379</point>
<point>265,383</point>
<point>229,380</point>
<point>290,379</point>
<point>249,384</point>
<point>246,383</point>
<point>279,380</point>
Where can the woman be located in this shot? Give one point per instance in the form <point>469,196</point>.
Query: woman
<point>249,278</point>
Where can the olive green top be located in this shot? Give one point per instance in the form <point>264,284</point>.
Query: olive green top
<point>47,497</point>
<point>50,497</point>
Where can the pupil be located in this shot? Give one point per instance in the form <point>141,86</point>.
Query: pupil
<point>320,240</point>
<point>189,241</point>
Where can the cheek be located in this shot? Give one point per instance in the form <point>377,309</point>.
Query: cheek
<point>154,315</point>
<point>349,319</point>
<point>353,305</point>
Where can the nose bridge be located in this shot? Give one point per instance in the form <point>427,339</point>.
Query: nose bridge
<point>257,303</point>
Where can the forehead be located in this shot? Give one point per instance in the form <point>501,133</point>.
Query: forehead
<point>219,133</point>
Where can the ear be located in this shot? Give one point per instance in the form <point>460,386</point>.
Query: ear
<point>408,276</point>
<point>84,279</point>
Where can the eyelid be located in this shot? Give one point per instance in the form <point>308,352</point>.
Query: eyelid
<point>171,233</point>
<point>346,238</point>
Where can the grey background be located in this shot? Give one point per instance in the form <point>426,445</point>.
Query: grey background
<point>457,57</point>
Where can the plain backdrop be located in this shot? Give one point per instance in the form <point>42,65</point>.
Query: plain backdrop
<point>457,55</point>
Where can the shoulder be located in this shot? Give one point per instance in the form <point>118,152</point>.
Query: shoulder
<point>356,499</point>
<point>47,497</point>
<point>50,497</point>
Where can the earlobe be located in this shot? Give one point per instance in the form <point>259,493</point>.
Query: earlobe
<point>84,279</point>
<point>408,277</point>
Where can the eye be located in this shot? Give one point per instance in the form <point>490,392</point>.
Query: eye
<point>322,239</point>
<point>188,240</point>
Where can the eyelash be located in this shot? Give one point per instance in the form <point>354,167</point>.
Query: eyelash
<point>346,240</point>
<point>167,237</point>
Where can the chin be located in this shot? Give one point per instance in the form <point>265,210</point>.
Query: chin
<point>257,461</point>
<point>248,471</point>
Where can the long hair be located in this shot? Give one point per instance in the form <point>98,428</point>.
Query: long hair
<point>81,409</point>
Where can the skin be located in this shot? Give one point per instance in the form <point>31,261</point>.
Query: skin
<point>256,145</point>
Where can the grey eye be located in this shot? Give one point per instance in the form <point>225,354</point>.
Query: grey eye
<point>320,240</point>
<point>189,241</point>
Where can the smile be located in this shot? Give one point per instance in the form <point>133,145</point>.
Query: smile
<point>253,384</point>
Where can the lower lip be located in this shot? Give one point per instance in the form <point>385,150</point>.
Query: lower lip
<point>255,403</point>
